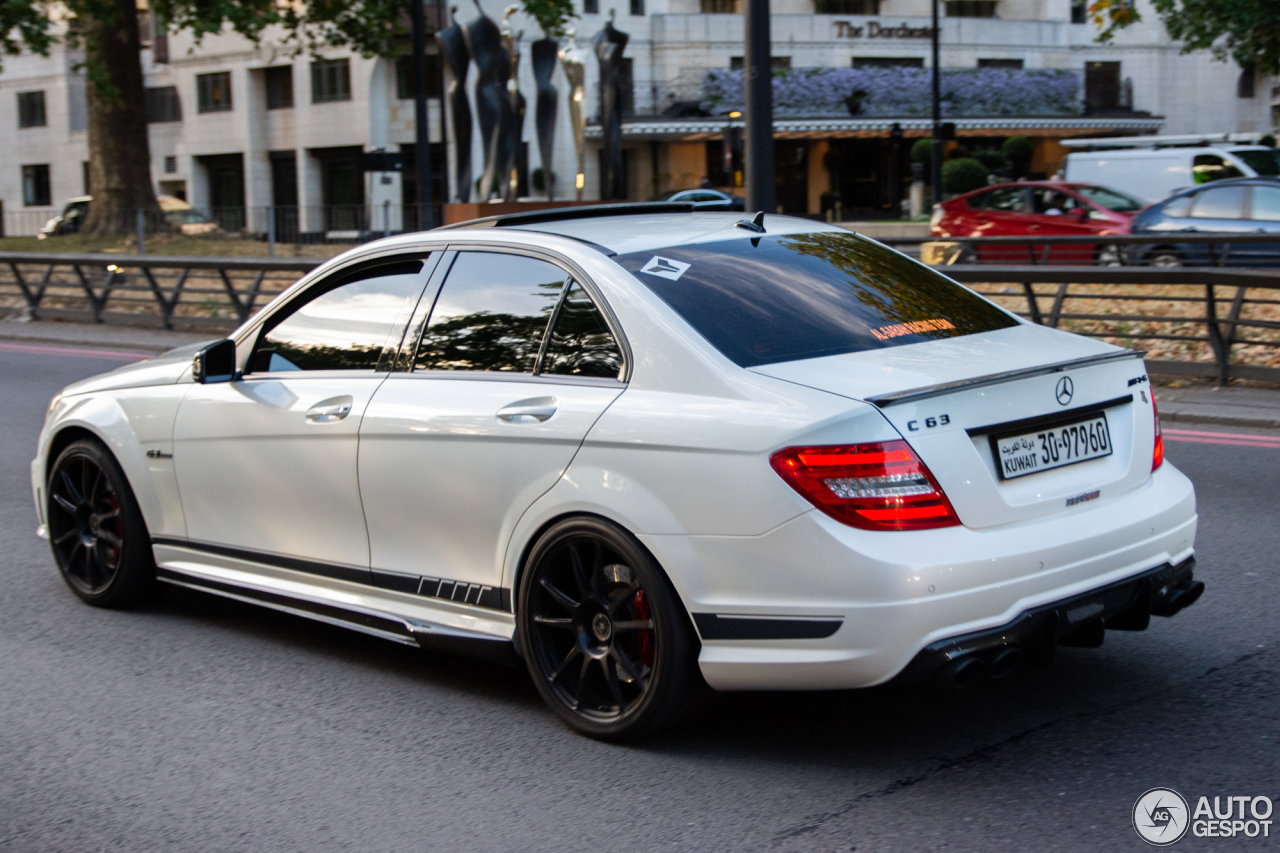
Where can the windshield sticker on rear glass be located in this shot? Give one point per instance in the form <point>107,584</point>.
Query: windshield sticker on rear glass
<point>665,268</point>
<point>897,330</point>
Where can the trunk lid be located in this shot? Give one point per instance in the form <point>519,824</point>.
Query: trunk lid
<point>950,398</point>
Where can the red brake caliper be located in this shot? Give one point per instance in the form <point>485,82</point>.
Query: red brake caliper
<point>645,637</point>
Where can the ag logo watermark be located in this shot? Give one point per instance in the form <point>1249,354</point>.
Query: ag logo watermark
<point>1162,816</point>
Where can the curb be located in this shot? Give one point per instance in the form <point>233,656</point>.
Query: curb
<point>1218,420</point>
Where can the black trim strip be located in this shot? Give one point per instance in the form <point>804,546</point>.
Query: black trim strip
<point>885,400</point>
<point>1052,419</point>
<point>713,626</point>
<point>352,617</point>
<point>458,592</point>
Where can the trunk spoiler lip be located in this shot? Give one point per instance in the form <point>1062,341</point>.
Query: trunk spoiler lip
<point>885,400</point>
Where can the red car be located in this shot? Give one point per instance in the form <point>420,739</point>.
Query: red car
<point>1037,209</point>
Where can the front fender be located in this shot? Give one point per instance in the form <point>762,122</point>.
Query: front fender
<point>129,423</point>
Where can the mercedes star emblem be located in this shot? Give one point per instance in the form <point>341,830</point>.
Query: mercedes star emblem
<point>1065,390</point>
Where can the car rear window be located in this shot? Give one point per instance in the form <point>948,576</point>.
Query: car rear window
<point>766,299</point>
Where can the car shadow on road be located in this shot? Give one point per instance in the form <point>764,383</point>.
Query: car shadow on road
<point>883,725</point>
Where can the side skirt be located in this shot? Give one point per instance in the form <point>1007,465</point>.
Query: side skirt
<point>410,632</point>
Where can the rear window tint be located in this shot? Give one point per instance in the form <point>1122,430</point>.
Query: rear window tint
<point>763,300</point>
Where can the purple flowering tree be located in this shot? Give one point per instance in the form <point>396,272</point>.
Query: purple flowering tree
<point>896,92</point>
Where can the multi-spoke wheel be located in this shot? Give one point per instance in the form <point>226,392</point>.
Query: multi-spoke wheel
<point>605,637</point>
<point>98,536</point>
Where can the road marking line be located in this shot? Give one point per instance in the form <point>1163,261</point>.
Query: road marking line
<point>1236,439</point>
<point>78,352</point>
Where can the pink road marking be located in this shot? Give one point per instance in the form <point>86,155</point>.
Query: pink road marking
<point>110,354</point>
<point>1227,438</point>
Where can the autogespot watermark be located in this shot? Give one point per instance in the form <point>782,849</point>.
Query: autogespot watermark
<point>1162,817</point>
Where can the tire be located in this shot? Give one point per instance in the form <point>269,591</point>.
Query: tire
<point>607,677</point>
<point>99,539</point>
<point>1165,258</point>
<point>1109,255</point>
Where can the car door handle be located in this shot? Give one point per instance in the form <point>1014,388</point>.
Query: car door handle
<point>536,410</point>
<point>330,411</point>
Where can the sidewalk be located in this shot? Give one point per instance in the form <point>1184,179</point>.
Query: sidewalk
<point>135,338</point>
<point>1195,404</point>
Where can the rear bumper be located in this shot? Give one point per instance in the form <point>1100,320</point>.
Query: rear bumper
<point>1080,621</point>
<point>814,604</point>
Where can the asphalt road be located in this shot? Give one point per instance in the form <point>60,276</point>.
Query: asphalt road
<point>200,724</point>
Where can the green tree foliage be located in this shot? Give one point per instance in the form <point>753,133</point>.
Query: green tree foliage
<point>551,15</point>
<point>1247,31</point>
<point>962,175</point>
<point>993,160</point>
<point>921,150</point>
<point>1017,148</point>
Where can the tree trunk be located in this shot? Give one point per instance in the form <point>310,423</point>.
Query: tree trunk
<point>119,153</point>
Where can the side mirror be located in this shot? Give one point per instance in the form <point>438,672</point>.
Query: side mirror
<point>215,363</point>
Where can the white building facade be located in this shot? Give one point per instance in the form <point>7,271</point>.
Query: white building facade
<point>242,129</point>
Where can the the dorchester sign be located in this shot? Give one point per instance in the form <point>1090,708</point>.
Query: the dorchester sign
<point>874,29</point>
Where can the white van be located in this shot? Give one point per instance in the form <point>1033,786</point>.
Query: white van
<point>1153,174</point>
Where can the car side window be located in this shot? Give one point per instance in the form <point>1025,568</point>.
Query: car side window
<point>1211,167</point>
<point>581,343</point>
<point>1220,203</point>
<point>979,201</point>
<point>491,314</point>
<point>1053,202</point>
<point>342,324</point>
<point>1007,199</point>
<point>1178,207</point>
<point>1266,204</point>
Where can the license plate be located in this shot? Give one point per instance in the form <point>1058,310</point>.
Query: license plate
<point>1045,449</point>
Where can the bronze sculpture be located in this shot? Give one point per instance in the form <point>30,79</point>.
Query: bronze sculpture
<point>609,44</point>
<point>514,138</point>
<point>543,55</point>
<point>493,104</point>
<point>457,58</point>
<point>573,60</point>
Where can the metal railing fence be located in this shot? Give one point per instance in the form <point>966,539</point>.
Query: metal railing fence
<point>1163,249</point>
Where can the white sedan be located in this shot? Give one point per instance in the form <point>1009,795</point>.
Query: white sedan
<point>646,451</point>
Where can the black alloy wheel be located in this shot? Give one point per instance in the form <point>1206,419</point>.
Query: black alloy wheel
<point>99,539</point>
<point>606,639</point>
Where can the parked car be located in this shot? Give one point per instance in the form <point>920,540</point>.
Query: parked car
<point>1153,174</point>
<point>68,221</point>
<point>644,453</point>
<point>1037,209</point>
<point>706,199</point>
<point>177,213</point>
<point>1241,206</point>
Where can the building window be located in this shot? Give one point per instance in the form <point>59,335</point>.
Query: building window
<point>1101,86</point>
<point>163,104</point>
<point>777,63</point>
<point>637,7</point>
<point>35,185</point>
<point>720,7</point>
<point>591,7</point>
<point>279,87</point>
<point>971,8</point>
<point>170,164</point>
<point>999,63</point>
<point>213,92</point>
<point>888,62</point>
<point>846,7</point>
<point>31,109</point>
<point>1244,84</point>
<point>1079,11</point>
<point>330,81</point>
<point>405,89</point>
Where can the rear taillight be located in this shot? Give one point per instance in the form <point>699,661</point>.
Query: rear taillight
<point>1157,453</point>
<point>881,486</point>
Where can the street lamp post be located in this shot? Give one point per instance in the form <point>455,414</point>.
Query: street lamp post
<point>758,105</point>
<point>423,140</point>
<point>935,153</point>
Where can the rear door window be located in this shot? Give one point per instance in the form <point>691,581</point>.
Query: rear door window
<point>491,314</point>
<point>1007,199</point>
<point>1266,204</point>
<point>768,299</point>
<point>1220,203</point>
